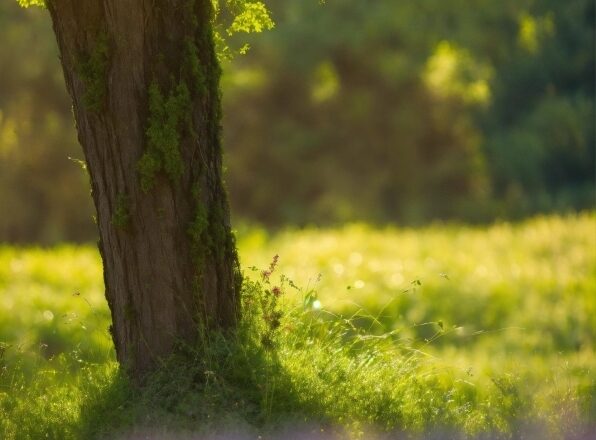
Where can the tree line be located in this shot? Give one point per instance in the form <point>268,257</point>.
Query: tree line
<point>375,111</point>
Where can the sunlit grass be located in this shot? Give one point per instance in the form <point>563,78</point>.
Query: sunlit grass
<point>474,329</point>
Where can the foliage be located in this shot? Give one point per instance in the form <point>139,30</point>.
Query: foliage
<point>238,16</point>
<point>37,137</point>
<point>439,106</point>
<point>441,328</point>
<point>451,111</point>
<point>28,3</point>
<point>539,135</point>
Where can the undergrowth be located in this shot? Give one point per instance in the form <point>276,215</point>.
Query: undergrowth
<point>291,362</point>
<point>288,363</point>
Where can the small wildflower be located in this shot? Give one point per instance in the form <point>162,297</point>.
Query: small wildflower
<point>274,262</point>
<point>276,291</point>
<point>267,273</point>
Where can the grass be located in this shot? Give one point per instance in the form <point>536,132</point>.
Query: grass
<point>450,329</point>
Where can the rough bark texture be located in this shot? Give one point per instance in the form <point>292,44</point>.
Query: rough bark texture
<point>144,81</point>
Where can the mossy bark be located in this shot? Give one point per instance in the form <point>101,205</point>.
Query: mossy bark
<point>144,81</point>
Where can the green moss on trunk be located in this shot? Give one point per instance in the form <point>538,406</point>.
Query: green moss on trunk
<point>121,213</point>
<point>168,117</point>
<point>93,70</point>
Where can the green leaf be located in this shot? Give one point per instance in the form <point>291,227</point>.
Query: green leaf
<point>27,3</point>
<point>253,17</point>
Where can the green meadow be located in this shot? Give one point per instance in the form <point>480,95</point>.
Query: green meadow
<point>355,332</point>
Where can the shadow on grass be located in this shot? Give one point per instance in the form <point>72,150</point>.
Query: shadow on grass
<point>238,391</point>
<point>232,389</point>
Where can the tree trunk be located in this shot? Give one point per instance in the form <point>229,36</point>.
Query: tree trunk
<point>144,81</point>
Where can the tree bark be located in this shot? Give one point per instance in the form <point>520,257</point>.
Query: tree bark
<point>144,81</point>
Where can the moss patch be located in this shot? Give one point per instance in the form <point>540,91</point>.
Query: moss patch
<point>167,115</point>
<point>121,214</point>
<point>198,230</point>
<point>93,70</point>
<point>192,66</point>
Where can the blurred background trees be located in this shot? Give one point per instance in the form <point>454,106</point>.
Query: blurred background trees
<point>377,111</point>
